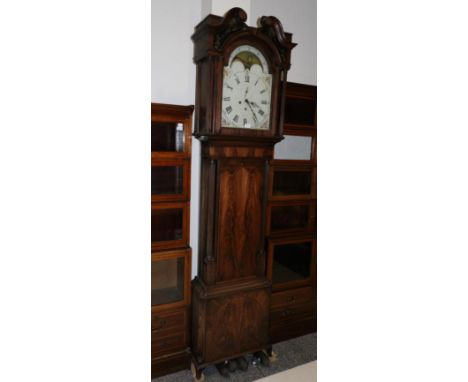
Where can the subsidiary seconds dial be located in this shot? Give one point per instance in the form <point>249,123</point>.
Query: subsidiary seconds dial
<point>246,99</point>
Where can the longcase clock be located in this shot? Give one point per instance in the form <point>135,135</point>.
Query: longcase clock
<point>240,90</point>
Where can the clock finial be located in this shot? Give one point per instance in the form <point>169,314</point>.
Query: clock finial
<point>273,28</point>
<point>235,15</point>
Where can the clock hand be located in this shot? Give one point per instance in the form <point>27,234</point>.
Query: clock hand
<point>253,112</point>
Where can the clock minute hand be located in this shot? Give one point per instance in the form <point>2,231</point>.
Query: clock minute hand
<point>253,112</point>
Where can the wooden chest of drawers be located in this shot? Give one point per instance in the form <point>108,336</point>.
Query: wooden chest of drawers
<point>169,341</point>
<point>292,313</point>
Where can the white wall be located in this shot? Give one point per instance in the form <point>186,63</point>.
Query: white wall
<point>172,67</point>
<point>173,79</point>
<point>298,17</point>
<point>173,71</point>
<point>220,7</point>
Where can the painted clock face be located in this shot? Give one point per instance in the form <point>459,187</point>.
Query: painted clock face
<point>247,82</point>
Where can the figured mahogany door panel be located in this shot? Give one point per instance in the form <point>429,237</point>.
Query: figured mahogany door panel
<point>240,222</point>
<point>236,324</point>
<point>254,320</point>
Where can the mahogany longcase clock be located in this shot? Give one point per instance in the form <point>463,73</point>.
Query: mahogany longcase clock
<point>240,91</point>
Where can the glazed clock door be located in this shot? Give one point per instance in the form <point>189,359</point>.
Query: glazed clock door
<point>247,83</point>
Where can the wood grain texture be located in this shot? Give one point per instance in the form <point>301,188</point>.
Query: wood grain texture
<point>229,321</point>
<point>239,323</point>
<point>240,218</point>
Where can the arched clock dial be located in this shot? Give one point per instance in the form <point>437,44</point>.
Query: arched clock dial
<point>246,100</point>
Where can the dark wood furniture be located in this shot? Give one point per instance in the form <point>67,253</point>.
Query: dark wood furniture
<point>300,111</point>
<point>231,294</point>
<point>292,225</point>
<point>171,255</point>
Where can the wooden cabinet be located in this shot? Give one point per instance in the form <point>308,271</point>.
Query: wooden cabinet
<point>170,251</point>
<point>291,223</point>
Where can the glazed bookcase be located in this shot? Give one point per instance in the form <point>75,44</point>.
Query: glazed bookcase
<point>291,224</point>
<point>170,251</point>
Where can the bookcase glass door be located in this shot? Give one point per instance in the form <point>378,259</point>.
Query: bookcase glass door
<point>289,217</point>
<point>167,136</point>
<point>167,280</point>
<point>167,180</point>
<point>300,111</point>
<point>292,262</point>
<point>287,183</point>
<point>167,224</point>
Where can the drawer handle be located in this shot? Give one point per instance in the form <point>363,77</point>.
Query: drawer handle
<point>285,313</point>
<point>162,324</point>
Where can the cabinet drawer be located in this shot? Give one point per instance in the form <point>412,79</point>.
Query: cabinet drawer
<point>294,328</point>
<point>169,321</point>
<point>288,315</point>
<point>165,344</point>
<point>294,297</point>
